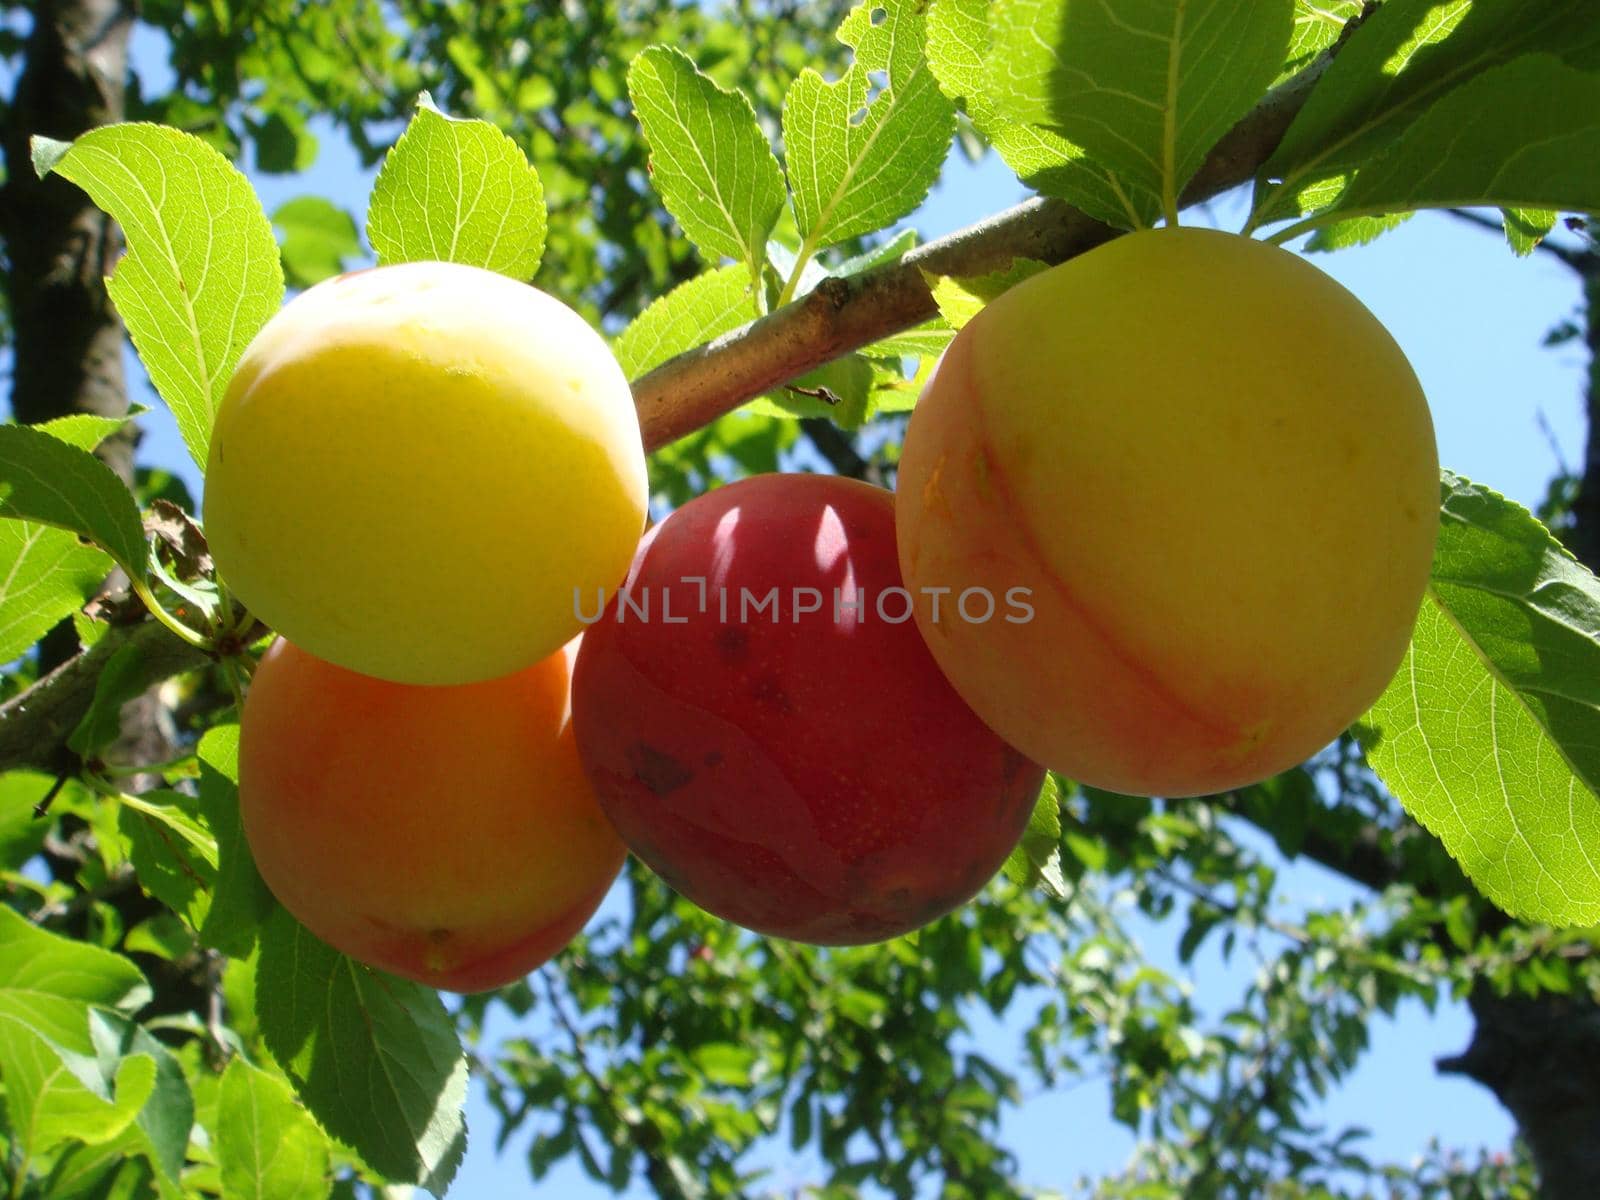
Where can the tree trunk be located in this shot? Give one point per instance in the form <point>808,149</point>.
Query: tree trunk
<point>1541,1058</point>
<point>68,340</point>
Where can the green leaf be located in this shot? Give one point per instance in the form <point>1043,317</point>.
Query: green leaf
<point>1090,851</point>
<point>457,191</point>
<point>1202,920</point>
<point>1036,860</point>
<point>709,160</point>
<point>21,833</point>
<point>87,430</point>
<point>37,963</point>
<point>959,42</point>
<point>1282,806</point>
<point>201,274</point>
<point>960,300</point>
<point>46,480</point>
<point>1406,56</point>
<point>859,161</point>
<point>1490,732</point>
<point>1473,146</point>
<point>890,251</point>
<point>163,935</point>
<point>283,144</point>
<point>167,1116</point>
<point>76,1069</point>
<point>240,901</point>
<point>319,238</point>
<point>800,1120</point>
<point>58,1089</point>
<point>268,1147</point>
<point>45,575</point>
<point>1527,227</point>
<point>119,681</point>
<point>1357,231</point>
<point>691,313</point>
<point>118,1169</point>
<point>725,1064</point>
<point>375,1058</point>
<point>928,340</point>
<point>1147,87</point>
<point>173,854</point>
<point>1317,25</point>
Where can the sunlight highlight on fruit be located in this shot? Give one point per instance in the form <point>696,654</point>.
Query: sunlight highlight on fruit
<point>414,465</point>
<point>1215,472</point>
<point>800,768</point>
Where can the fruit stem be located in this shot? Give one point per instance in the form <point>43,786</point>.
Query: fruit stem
<point>230,670</point>
<point>229,622</point>
<point>758,291</point>
<point>1285,236</point>
<point>147,597</point>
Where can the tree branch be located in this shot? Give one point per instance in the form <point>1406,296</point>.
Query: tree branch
<point>695,388</point>
<point>841,315</point>
<point>34,726</point>
<point>645,1134</point>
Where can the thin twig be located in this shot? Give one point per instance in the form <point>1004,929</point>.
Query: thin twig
<point>647,1137</point>
<point>42,808</point>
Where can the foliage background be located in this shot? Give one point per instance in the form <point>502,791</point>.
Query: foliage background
<point>673,1086</point>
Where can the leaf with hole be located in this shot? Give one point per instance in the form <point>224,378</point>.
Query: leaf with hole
<point>863,151</point>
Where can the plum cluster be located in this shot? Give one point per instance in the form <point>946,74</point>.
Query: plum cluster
<point>1164,519</point>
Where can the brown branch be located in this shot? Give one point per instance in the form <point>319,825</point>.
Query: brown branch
<point>695,388</point>
<point>34,725</point>
<point>841,315</point>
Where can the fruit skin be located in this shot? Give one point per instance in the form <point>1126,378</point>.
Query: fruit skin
<point>1217,473</point>
<point>809,779</point>
<point>414,465</point>
<point>445,834</point>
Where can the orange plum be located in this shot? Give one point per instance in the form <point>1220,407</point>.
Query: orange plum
<point>444,834</point>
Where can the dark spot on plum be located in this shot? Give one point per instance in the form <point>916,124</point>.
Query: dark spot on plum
<point>659,772</point>
<point>732,642</point>
<point>768,690</point>
<point>714,758</point>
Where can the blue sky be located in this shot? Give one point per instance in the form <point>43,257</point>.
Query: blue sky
<point>1471,317</point>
